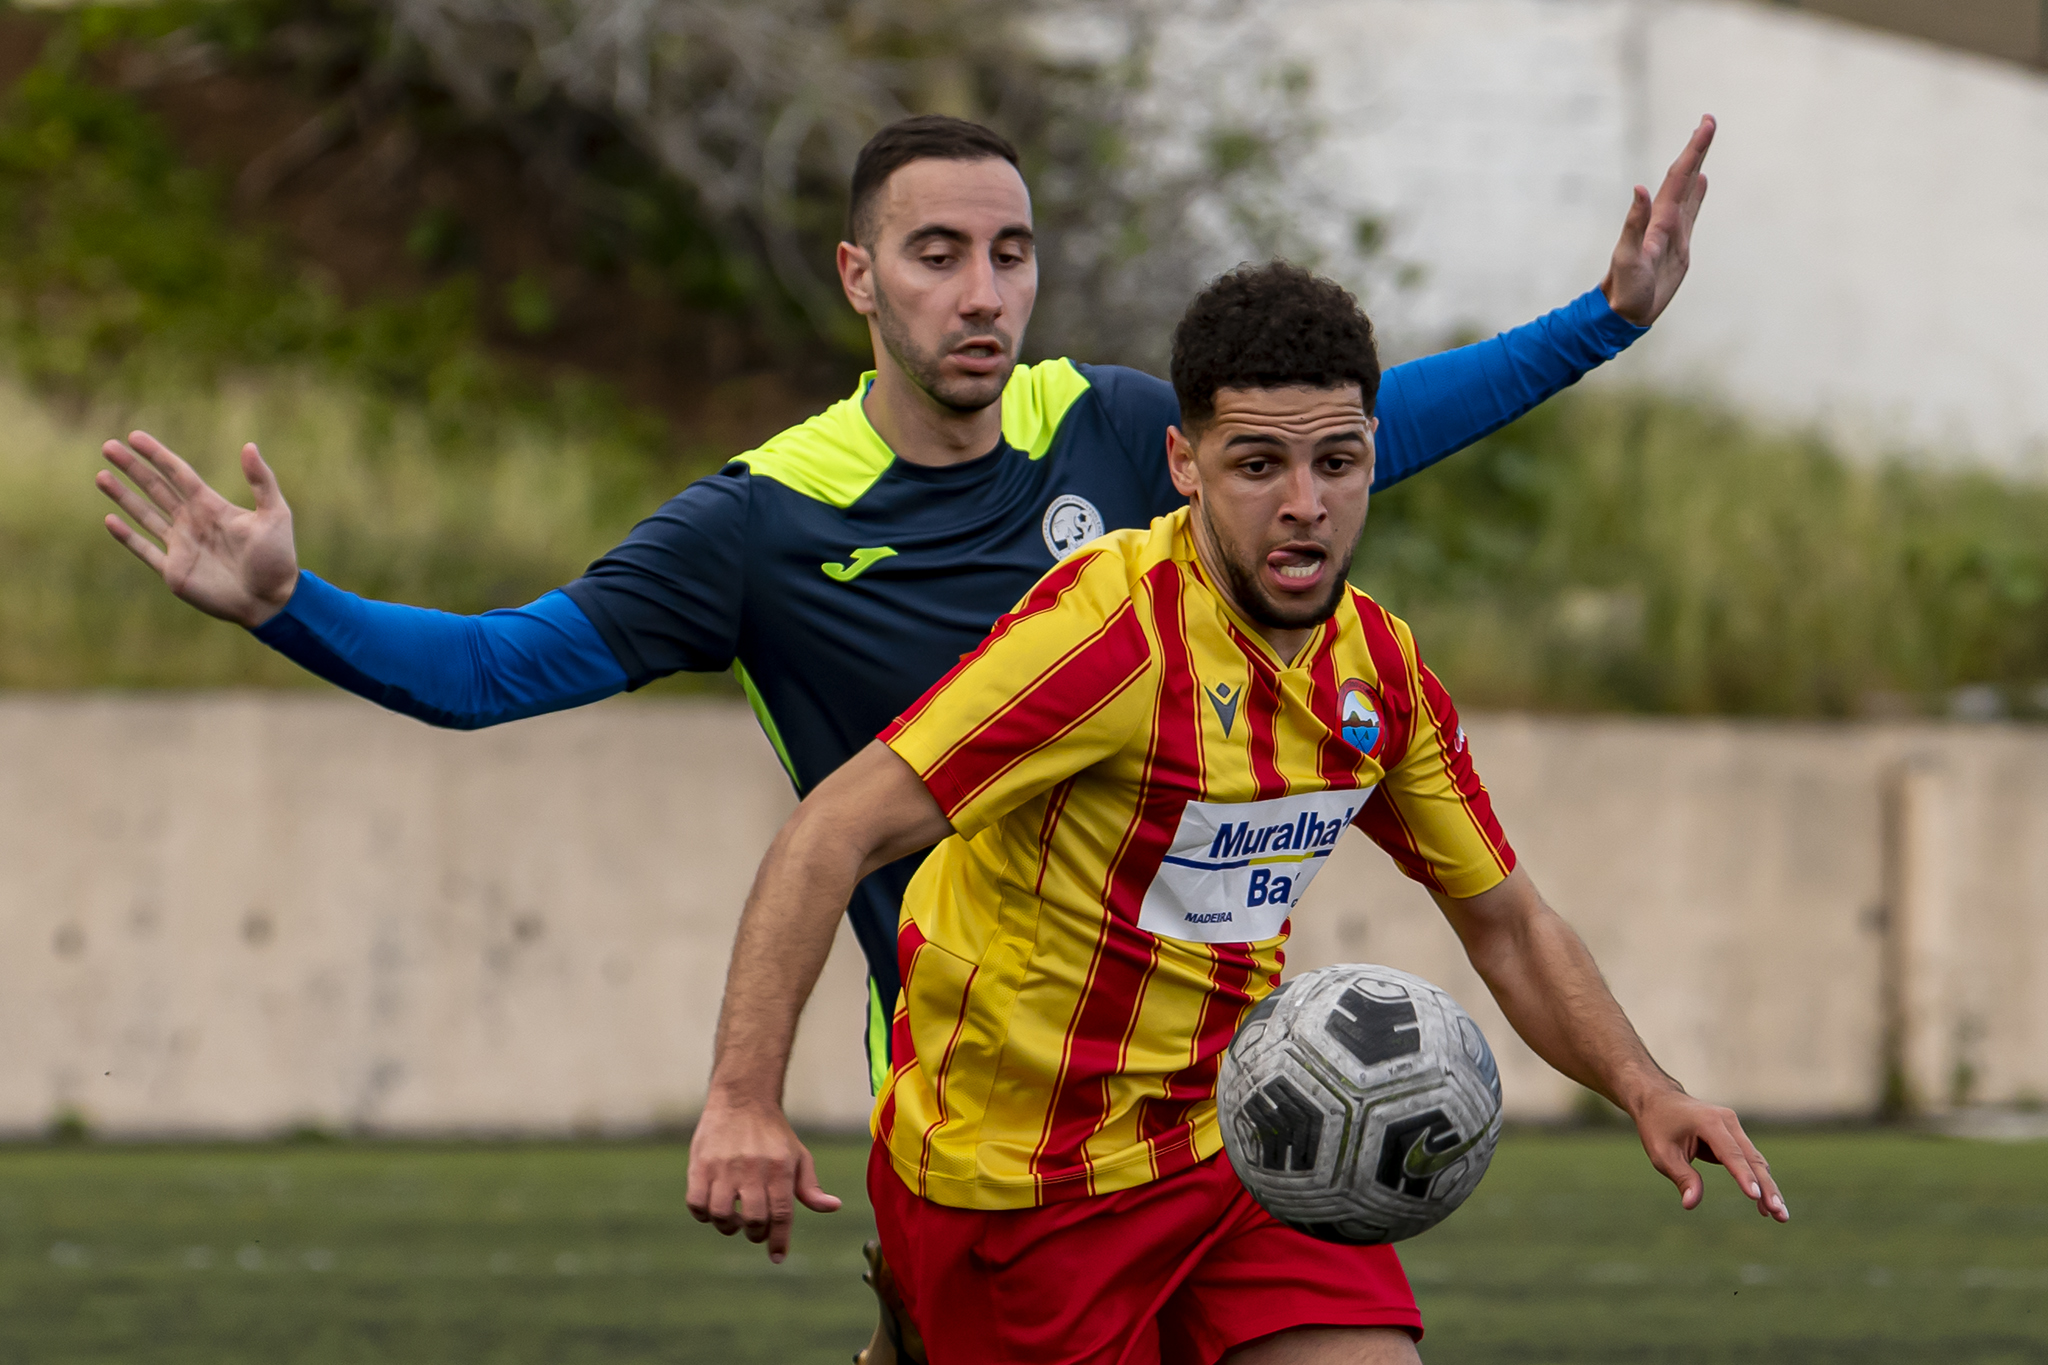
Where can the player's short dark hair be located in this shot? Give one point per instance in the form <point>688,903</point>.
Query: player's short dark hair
<point>1271,326</point>
<point>922,137</point>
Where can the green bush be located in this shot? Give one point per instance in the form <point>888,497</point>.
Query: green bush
<point>1633,552</point>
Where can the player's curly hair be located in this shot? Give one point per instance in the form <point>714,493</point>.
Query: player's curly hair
<point>1267,327</point>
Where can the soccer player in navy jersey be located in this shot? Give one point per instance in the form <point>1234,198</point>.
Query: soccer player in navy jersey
<point>843,566</point>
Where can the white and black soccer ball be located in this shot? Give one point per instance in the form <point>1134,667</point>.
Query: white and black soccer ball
<point>1359,1104</point>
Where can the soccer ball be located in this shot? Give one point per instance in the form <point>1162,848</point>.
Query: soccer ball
<point>1359,1104</point>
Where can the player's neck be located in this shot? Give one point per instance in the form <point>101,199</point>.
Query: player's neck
<point>925,432</point>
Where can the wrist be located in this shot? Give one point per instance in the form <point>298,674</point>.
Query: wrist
<point>268,606</point>
<point>1642,1091</point>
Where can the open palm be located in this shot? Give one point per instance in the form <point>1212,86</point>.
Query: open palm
<point>232,562</point>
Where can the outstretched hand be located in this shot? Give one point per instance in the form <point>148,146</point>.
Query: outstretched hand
<point>1655,248</point>
<point>748,1170</point>
<point>1677,1130</point>
<point>228,561</point>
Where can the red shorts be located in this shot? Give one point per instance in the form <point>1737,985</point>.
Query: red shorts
<point>1183,1270</point>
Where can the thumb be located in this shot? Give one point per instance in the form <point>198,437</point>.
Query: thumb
<point>262,482</point>
<point>1672,1165</point>
<point>1638,221</point>
<point>808,1191</point>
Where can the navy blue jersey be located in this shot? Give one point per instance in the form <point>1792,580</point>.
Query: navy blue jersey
<point>839,582</point>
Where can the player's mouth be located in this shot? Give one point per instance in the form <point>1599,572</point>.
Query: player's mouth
<point>980,355</point>
<point>1296,568</point>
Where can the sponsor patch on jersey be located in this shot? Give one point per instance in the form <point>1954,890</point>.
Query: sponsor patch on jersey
<point>1358,717</point>
<point>1071,521</point>
<point>1236,869</point>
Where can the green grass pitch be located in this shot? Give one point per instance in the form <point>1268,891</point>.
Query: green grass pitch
<point>1902,1249</point>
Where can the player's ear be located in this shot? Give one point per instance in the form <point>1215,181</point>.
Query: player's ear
<point>857,277</point>
<point>1180,462</point>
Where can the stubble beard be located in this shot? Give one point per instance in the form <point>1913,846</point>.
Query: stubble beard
<point>963,395</point>
<point>1241,577</point>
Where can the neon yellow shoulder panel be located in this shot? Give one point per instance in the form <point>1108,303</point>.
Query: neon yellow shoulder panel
<point>1035,400</point>
<point>834,457</point>
<point>837,456</point>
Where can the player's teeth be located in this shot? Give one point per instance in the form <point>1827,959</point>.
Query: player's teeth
<point>1297,570</point>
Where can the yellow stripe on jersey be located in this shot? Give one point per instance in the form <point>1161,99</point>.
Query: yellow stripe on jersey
<point>1141,792</point>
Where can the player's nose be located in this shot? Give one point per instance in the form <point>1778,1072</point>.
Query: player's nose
<point>979,297</point>
<point>1302,500</point>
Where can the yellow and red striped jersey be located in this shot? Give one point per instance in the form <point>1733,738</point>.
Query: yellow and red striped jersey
<point>1142,791</point>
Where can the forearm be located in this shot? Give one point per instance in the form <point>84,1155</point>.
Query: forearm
<point>462,672</point>
<point>1551,990</point>
<point>1439,404</point>
<point>784,937</point>
<point>869,813</point>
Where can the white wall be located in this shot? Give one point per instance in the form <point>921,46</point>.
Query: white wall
<point>1873,257</point>
<point>232,914</point>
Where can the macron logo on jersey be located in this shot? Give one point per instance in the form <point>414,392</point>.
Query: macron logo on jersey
<point>1235,869</point>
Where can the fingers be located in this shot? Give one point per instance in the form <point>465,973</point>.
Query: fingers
<point>139,511</point>
<point>147,479</point>
<point>1679,179</point>
<point>180,475</point>
<point>262,482</point>
<point>138,545</point>
<point>1746,1165</point>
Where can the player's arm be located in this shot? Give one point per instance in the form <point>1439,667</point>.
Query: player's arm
<point>1547,984</point>
<point>1432,407</point>
<point>747,1166</point>
<point>241,565</point>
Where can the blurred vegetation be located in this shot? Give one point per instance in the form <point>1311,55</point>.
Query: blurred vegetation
<point>1640,553</point>
<point>1611,551</point>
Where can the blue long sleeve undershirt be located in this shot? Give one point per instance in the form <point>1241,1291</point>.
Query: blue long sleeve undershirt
<point>467,672</point>
<point>463,672</point>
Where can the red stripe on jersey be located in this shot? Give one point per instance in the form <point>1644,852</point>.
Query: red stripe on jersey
<point>1336,761</point>
<point>1044,596</point>
<point>1382,823</point>
<point>1055,805</point>
<point>1457,759</point>
<point>1125,955</point>
<point>1164,1121</point>
<point>945,1071</point>
<point>1378,817</point>
<point>1261,707</point>
<point>1044,711</point>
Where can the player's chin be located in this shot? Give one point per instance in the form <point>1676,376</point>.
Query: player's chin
<point>973,392</point>
<point>1301,610</point>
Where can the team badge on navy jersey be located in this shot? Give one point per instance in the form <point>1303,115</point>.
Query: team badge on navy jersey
<point>1358,716</point>
<point>1071,521</point>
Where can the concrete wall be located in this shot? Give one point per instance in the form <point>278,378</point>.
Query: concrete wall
<point>1872,258</point>
<point>237,913</point>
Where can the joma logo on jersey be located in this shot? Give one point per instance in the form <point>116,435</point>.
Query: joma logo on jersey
<point>1307,831</point>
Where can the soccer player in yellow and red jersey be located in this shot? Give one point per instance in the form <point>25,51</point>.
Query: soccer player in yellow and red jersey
<point>1136,777</point>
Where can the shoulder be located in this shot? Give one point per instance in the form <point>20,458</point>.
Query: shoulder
<point>1396,662</point>
<point>832,458</point>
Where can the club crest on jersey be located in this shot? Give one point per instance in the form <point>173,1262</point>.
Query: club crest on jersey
<point>1358,717</point>
<point>1071,521</point>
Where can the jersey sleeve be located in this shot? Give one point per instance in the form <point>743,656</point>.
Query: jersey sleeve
<point>1431,812</point>
<point>1438,405</point>
<point>1049,692</point>
<point>1140,408</point>
<point>669,598</point>
<point>461,672</point>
